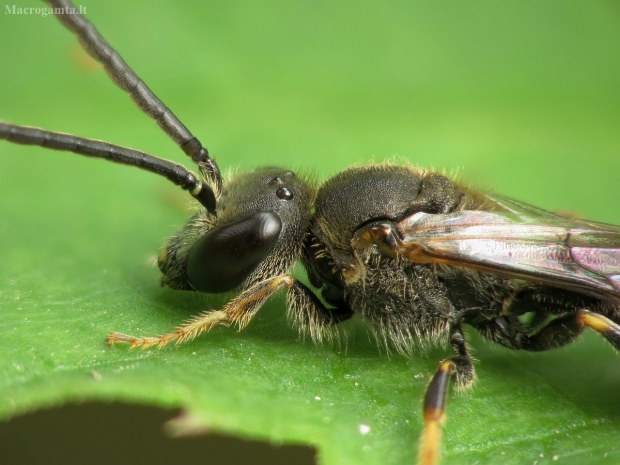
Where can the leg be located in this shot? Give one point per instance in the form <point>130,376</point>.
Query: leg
<point>536,318</point>
<point>461,369</point>
<point>434,407</point>
<point>309,313</point>
<point>609,329</point>
<point>509,332</point>
<point>556,333</point>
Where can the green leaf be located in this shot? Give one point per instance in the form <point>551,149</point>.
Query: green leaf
<point>522,99</point>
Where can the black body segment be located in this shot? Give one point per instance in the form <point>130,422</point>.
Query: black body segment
<point>370,194</point>
<point>410,271</point>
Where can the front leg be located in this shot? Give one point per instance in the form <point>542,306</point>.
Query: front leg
<point>461,369</point>
<point>306,309</point>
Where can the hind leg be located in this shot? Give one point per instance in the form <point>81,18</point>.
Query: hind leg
<point>556,333</point>
<point>608,329</point>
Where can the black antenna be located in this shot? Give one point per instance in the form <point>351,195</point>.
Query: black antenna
<point>174,172</point>
<point>145,99</point>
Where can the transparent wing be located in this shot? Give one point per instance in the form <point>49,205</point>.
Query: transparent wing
<point>519,241</point>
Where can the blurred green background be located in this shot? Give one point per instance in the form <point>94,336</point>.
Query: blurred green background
<point>517,97</point>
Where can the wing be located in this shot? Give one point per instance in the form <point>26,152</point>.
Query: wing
<point>519,241</point>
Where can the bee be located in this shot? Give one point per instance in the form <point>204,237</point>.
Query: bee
<point>414,253</point>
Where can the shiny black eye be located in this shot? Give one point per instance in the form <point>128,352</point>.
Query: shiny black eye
<point>229,253</point>
<point>284,194</point>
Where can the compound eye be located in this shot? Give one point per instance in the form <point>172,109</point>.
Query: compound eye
<point>228,254</point>
<point>284,193</point>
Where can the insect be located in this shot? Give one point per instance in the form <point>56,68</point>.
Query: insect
<point>414,253</point>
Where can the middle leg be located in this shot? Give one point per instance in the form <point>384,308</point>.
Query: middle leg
<point>461,369</point>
